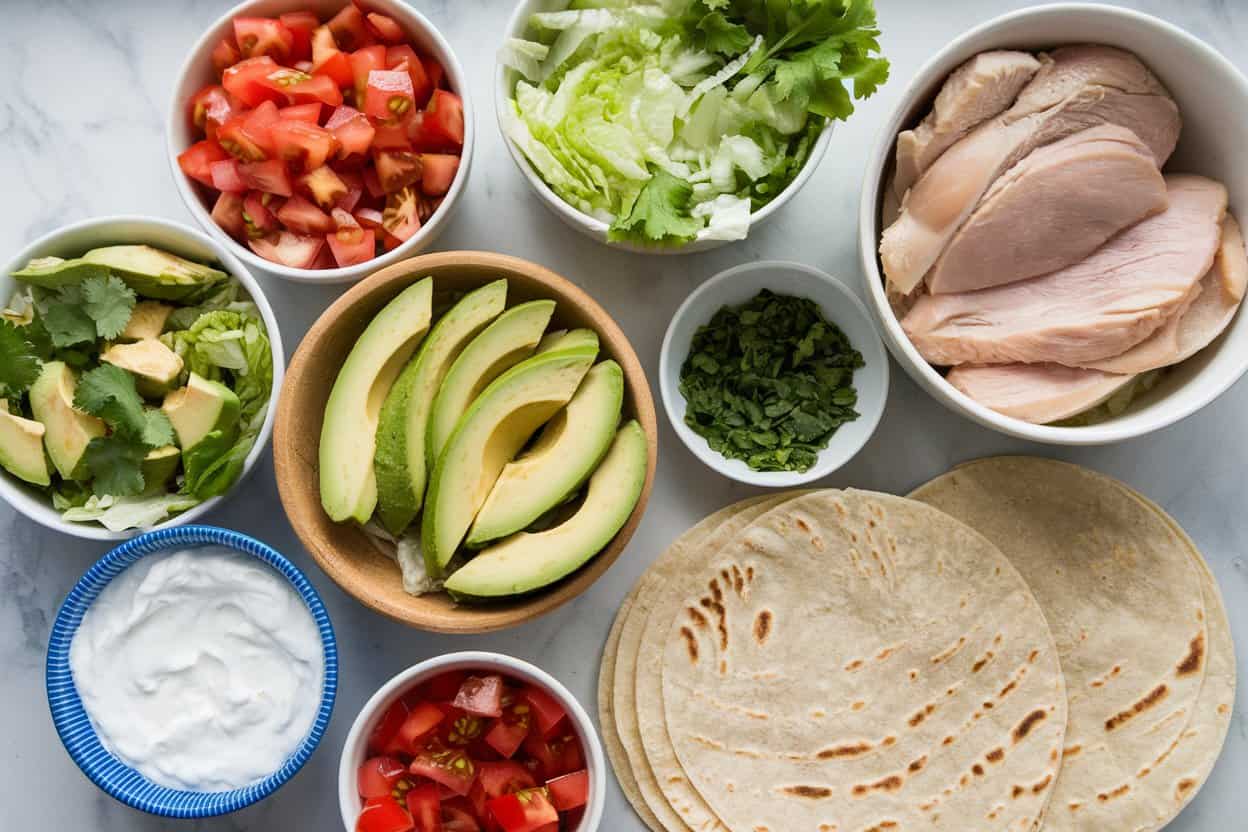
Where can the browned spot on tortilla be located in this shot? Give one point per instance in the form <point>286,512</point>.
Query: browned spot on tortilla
<point>891,783</point>
<point>996,755</point>
<point>1042,785</point>
<point>1183,787</point>
<point>1071,750</point>
<point>721,620</point>
<point>917,765</point>
<point>928,805</point>
<point>707,741</point>
<point>870,523</point>
<point>749,574</point>
<point>1076,806</point>
<point>988,706</point>
<point>842,751</point>
<point>919,716</point>
<point>1017,792</point>
<point>1150,699</point>
<point>947,741</point>
<point>726,575</point>
<point>853,537</point>
<point>977,770</point>
<point>818,713</point>
<point>1024,728</point>
<point>858,706</point>
<point>1031,658</point>
<point>691,643</point>
<point>761,829</point>
<point>1053,755</point>
<point>914,674</point>
<point>887,741</point>
<point>1223,708</point>
<point>980,662</point>
<point>882,825</point>
<point>854,665</point>
<point>964,779</point>
<point>1105,797</point>
<point>810,792</point>
<point>950,651</point>
<point>716,592</point>
<point>1194,659</point>
<point>1005,691</point>
<point>762,626</point>
<point>801,524</point>
<point>698,618</point>
<point>738,579</point>
<point>723,667</point>
<point>885,653</point>
<point>675,779</point>
<point>743,752</point>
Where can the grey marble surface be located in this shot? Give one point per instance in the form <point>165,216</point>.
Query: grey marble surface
<point>81,135</point>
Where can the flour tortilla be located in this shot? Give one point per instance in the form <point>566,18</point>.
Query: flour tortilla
<point>1123,598</point>
<point>855,661</point>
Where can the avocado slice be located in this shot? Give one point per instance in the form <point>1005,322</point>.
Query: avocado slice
<point>160,464</point>
<point>148,271</point>
<point>509,340</point>
<point>69,431</point>
<point>568,340</point>
<point>146,321</point>
<point>21,447</point>
<point>353,410</point>
<point>528,561</point>
<point>400,463</point>
<point>495,428</point>
<point>564,455</point>
<point>201,407</point>
<point>155,367</point>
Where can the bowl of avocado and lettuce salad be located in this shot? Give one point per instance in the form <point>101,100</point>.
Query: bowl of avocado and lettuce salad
<point>137,362</point>
<point>673,126</point>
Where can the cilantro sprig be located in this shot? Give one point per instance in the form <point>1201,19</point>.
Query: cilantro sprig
<point>115,461</point>
<point>19,361</point>
<point>81,313</point>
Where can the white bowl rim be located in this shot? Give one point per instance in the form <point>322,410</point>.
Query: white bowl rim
<point>869,416</point>
<point>508,665</point>
<point>35,508</point>
<point>419,241</point>
<point>595,227</point>
<point>899,344</point>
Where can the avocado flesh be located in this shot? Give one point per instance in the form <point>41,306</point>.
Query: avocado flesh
<point>148,271</point>
<point>510,339</point>
<point>528,561</point>
<point>565,454</point>
<point>400,462</point>
<point>21,447</point>
<point>497,425</point>
<point>201,407</point>
<point>156,368</point>
<point>68,431</point>
<point>568,340</point>
<point>348,443</point>
<point>160,464</point>
<point>146,321</point>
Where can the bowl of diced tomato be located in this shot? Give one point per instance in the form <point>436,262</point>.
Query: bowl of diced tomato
<point>472,742</point>
<point>321,139</point>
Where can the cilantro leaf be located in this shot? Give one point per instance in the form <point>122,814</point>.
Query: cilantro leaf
<point>19,361</point>
<point>660,214</point>
<point>109,302</point>
<point>116,464</point>
<point>66,320</point>
<point>723,36</point>
<point>157,429</point>
<point>109,393</point>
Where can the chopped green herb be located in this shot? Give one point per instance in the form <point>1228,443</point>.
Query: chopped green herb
<point>109,392</point>
<point>116,464</point>
<point>770,382</point>
<point>109,302</point>
<point>19,361</point>
<point>64,315</point>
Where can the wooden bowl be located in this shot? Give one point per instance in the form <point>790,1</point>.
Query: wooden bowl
<point>342,550</point>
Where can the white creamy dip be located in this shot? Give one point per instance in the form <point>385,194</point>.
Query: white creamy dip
<point>201,668</point>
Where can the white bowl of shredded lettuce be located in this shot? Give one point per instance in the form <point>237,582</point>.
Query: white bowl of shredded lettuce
<point>674,126</point>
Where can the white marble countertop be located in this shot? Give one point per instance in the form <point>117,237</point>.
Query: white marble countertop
<point>81,123</point>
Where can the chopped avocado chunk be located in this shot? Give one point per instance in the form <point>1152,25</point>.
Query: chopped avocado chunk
<point>146,321</point>
<point>528,561</point>
<point>400,462</point>
<point>69,431</point>
<point>147,270</point>
<point>566,340</point>
<point>497,425</point>
<point>156,367</point>
<point>349,432</point>
<point>500,346</point>
<point>160,464</point>
<point>200,408</point>
<point>566,452</point>
<point>21,447</point>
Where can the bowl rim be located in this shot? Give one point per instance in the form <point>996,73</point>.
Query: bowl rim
<point>508,665</point>
<point>596,228</point>
<point>704,297</point>
<point>36,509</point>
<point>286,454</point>
<point>868,238</point>
<point>73,725</point>
<point>423,238</point>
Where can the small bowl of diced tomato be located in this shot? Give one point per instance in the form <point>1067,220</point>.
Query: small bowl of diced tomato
<point>321,139</point>
<point>472,742</point>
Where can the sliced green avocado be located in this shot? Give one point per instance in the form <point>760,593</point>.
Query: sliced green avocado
<point>566,452</point>
<point>146,321</point>
<point>400,462</point>
<point>155,367</point>
<point>69,431</point>
<point>160,464</point>
<point>201,407</point>
<point>500,346</point>
<point>497,425</point>
<point>568,340</point>
<point>528,561</point>
<point>349,432</point>
<point>21,447</point>
<point>147,270</point>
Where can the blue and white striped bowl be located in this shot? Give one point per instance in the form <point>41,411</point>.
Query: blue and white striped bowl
<point>70,717</point>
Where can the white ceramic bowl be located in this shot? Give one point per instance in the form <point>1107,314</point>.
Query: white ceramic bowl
<point>197,73</point>
<point>355,749</point>
<point>72,241</point>
<point>839,305</point>
<point>1213,100</point>
<point>505,81</point>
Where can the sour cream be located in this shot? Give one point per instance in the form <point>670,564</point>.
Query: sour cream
<point>201,669</point>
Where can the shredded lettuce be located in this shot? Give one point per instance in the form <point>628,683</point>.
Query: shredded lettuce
<point>121,513</point>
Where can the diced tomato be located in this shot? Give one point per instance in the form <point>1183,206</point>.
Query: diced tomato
<point>420,722</point>
<point>505,777</point>
<point>238,142</point>
<point>434,71</point>
<point>456,819</point>
<point>350,245</point>
<point>384,28</point>
<point>373,186</point>
<point>424,804</point>
<point>324,259</point>
<point>364,61</point>
<point>526,811</point>
<point>352,129</point>
<point>325,186</point>
<point>270,177</point>
<point>228,213</point>
<point>437,173</point>
<point>444,118</point>
<point>226,177</point>
<point>329,60</point>
<point>388,96</point>
<point>258,218</point>
<point>397,169</point>
<point>263,36</point>
<point>511,729</point>
<point>303,143</point>
<point>288,249</point>
<point>383,815</point>
<point>349,30</point>
<point>248,81</point>
<point>481,695</point>
<point>210,108</point>
<point>570,790</point>
<point>555,756</point>
<point>318,88</point>
<point>310,112</point>
<point>458,729</point>
<point>426,207</point>
<point>384,733</point>
<point>196,161</point>
<point>355,190</point>
<point>298,214</point>
<point>369,218</point>
<point>424,140</point>
<point>405,58</point>
<point>301,25</point>
<point>450,767</point>
<point>400,217</point>
<point>547,712</point>
<point>259,124</point>
<point>392,134</point>
<point>377,776</point>
<point>224,55</point>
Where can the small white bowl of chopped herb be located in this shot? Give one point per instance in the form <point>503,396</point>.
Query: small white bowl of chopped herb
<point>137,362</point>
<point>773,374</point>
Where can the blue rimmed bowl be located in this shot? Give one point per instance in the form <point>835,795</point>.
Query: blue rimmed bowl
<point>74,726</point>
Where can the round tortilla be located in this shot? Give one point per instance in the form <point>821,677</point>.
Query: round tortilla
<point>859,661</point>
<point>1124,600</point>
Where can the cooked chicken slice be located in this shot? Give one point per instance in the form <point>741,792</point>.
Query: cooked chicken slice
<point>1036,393</point>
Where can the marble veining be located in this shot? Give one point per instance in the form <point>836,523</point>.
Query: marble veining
<point>81,123</point>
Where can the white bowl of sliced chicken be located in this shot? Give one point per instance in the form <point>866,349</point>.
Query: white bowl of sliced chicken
<point>1048,225</point>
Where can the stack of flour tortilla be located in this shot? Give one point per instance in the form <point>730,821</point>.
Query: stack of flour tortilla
<point>1021,644</point>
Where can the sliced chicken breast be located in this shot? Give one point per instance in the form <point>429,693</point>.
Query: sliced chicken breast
<point>1096,309</point>
<point>1084,86</point>
<point>1052,209</point>
<point>1036,393</point>
<point>1215,300</point>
